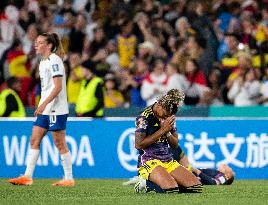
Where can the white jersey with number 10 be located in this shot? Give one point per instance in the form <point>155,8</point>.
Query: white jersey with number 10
<point>48,69</point>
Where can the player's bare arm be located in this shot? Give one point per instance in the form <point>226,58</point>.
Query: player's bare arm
<point>141,142</point>
<point>173,139</point>
<point>168,125</point>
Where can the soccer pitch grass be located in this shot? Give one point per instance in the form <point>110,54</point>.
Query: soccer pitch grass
<point>94,191</point>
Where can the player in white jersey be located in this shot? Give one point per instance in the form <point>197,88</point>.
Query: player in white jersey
<point>52,110</point>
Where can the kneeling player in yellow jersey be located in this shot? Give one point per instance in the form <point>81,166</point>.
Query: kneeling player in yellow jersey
<point>224,175</point>
<point>155,134</point>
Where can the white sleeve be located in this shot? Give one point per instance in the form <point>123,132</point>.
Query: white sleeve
<point>264,89</point>
<point>162,88</point>
<point>57,68</point>
<point>147,90</point>
<point>202,89</point>
<point>171,83</point>
<point>178,82</point>
<point>254,89</point>
<point>233,92</point>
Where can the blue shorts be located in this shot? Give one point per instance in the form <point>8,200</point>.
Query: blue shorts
<point>51,122</point>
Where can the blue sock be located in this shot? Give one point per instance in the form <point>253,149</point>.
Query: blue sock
<point>192,189</point>
<point>205,179</point>
<point>172,190</point>
<point>153,187</point>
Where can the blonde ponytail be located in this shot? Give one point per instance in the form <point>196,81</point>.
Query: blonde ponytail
<point>58,49</point>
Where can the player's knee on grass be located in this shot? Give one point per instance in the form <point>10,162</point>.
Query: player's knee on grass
<point>184,177</point>
<point>168,184</point>
<point>162,178</point>
<point>163,182</point>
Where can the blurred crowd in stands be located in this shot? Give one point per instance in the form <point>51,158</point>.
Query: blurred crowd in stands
<point>216,51</point>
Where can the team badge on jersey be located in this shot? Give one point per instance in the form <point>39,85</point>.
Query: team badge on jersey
<point>141,123</point>
<point>55,67</point>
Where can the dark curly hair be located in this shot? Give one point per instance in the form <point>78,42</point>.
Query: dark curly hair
<point>172,101</point>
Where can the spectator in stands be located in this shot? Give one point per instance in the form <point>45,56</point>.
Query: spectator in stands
<point>75,77</point>
<point>175,79</point>
<point>230,58</point>
<point>26,18</point>
<point>99,41</point>
<point>245,89</point>
<point>227,56</point>
<point>229,15</point>
<point>28,40</point>
<point>181,55</point>
<point>153,35</point>
<point>46,26</point>
<point>244,63</point>
<point>20,67</point>
<point>196,48</point>
<point>28,43</point>
<point>183,28</point>
<point>90,101</point>
<point>9,27</point>
<point>113,97</point>
<point>174,10</point>
<point>197,15</point>
<point>248,32</point>
<point>77,36</point>
<point>151,7</point>
<point>10,102</point>
<point>161,30</point>
<point>263,98</point>
<point>113,57</point>
<point>172,45</point>
<point>214,95</point>
<point>46,17</point>
<point>262,27</point>
<point>154,84</point>
<point>146,52</point>
<point>126,44</point>
<point>134,79</point>
<point>197,83</point>
<point>101,66</point>
<point>63,21</point>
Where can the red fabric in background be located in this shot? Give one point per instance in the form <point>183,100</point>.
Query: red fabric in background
<point>25,87</point>
<point>198,78</point>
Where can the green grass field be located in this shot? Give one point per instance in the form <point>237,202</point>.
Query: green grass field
<point>90,191</point>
